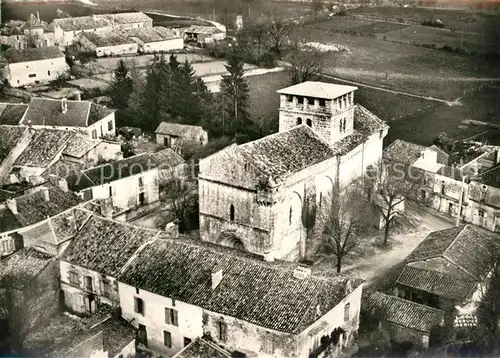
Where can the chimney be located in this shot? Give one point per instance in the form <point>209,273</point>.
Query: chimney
<point>12,205</point>
<point>348,287</point>
<point>62,184</point>
<point>269,257</point>
<point>46,196</point>
<point>216,278</point>
<point>422,154</point>
<point>106,206</point>
<point>38,15</point>
<point>172,229</point>
<point>301,272</point>
<point>71,222</point>
<point>64,105</point>
<point>78,96</point>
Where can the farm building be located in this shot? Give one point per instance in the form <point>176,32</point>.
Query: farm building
<point>33,65</point>
<point>30,33</point>
<point>203,34</point>
<point>107,44</point>
<point>128,20</point>
<point>67,29</point>
<point>156,39</point>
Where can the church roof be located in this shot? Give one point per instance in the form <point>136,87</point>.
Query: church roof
<point>318,90</point>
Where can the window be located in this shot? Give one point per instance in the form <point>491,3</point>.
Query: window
<point>222,330</point>
<point>110,191</point>
<point>480,213</point>
<point>231,212</point>
<point>290,216</point>
<point>106,289</point>
<point>442,187</point>
<point>268,344</point>
<point>88,283</point>
<point>74,279</point>
<point>94,133</point>
<point>347,308</point>
<point>167,339</point>
<point>322,102</point>
<point>289,98</point>
<point>32,75</point>
<point>110,125</point>
<point>320,199</point>
<point>167,141</point>
<point>87,195</point>
<point>309,122</point>
<point>187,341</point>
<point>171,317</point>
<point>299,121</point>
<point>48,73</point>
<point>139,305</point>
<point>141,182</point>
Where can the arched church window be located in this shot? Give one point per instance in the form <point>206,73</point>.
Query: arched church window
<point>299,121</point>
<point>231,212</point>
<point>290,216</point>
<point>309,122</point>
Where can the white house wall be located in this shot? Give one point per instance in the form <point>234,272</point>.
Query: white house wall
<point>126,49</point>
<point>44,71</point>
<point>163,46</point>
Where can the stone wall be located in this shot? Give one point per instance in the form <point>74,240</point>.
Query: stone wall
<point>404,334</point>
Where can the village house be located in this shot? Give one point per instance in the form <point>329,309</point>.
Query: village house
<point>86,117</point>
<point>484,200</point>
<point>203,34</point>
<point>25,211</point>
<point>170,165</point>
<point>252,195</point>
<point>156,39</point>
<point>99,252</point>
<point>106,44</point>
<point>129,183</point>
<point>200,348</point>
<point>31,33</point>
<point>174,135</point>
<point>175,291</point>
<point>67,29</point>
<point>129,20</point>
<point>449,269</point>
<point>33,65</point>
<point>406,321</point>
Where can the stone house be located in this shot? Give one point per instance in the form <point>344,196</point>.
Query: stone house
<point>406,321</point>
<point>156,39</point>
<point>25,211</point>
<point>106,44</point>
<point>449,269</point>
<point>176,291</point>
<point>172,135</point>
<point>129,20</point>
<point>31,66</point>
<point>98,253</point>
<point>170,165</point>
<point>89,118</point>
<point>67,29</point>
<point>131,183</point>
<point>203,34</point>
<point>252,196</point>
<point>31,33</point>
<point>484,200</point>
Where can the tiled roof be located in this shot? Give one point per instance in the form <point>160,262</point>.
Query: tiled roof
<point>450,262</point>
<point>208,30</point>
<point>180,130</point>
<point>48,112</point>
<point>9,137</point>
<point>348,143</point>
<point>318,90</point>
<point>8,221</point>
<point>255,291</point>
<point>27,261</point>
<point>405,313</point>
<point>151,34</point>
<point>62,169</point>
<point>60,227</point>
<point>43,148</point>
<point>79,145</point>
<point>117,333</point>
<point>105,246</point>
<point>32,22</point>
<point>11,113</point>
<point>112,171</point>
<point>33,208</point>
<point>33,54</point>
<point>82,23</point>
<point>201,348</point>
<point>106,39</point>
<point>442,156</point>
<point>166,158</point>
<point>127,17</point>
<point>403,152</point>
<point>284,153</point>
<point>366,122</point>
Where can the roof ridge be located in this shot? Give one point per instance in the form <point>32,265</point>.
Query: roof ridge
<point>445,256</point>
<point>408,301</point>
<point>124,223</point>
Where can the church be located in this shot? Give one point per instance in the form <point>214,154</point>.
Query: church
<point>252,196</point>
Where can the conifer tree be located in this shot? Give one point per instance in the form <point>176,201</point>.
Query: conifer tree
<point>121,87</point>
<point>155,92</point>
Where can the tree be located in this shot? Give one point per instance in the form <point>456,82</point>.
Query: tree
<point>258,32</point>
<point>277,33</point>
<point>316,6</point>
<point>121,87</point>
<point>181,198</point>
<point>136,99</point>
<point>155,91</point>
<point>20,311</point>
<point>305,64</point>
<point>391,185</point>
<point>345,216</point>
<point>235,93</point>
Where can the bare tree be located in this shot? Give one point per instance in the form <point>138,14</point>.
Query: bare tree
<point>277,33</point>
<point>391,186</point>
<point>20,311</point>
<point>345,216</point>
<point>181,198</point>
<point>305,64</point>
<point>258,32</point>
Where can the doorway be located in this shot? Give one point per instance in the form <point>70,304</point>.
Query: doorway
<point>90,303</point>
<point>142,335</point>
<point>142,199</point>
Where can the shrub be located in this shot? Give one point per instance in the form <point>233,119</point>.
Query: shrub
<point>447,48</point>
<point>267,60</point>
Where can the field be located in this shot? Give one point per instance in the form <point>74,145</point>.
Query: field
<point>352,25</point>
